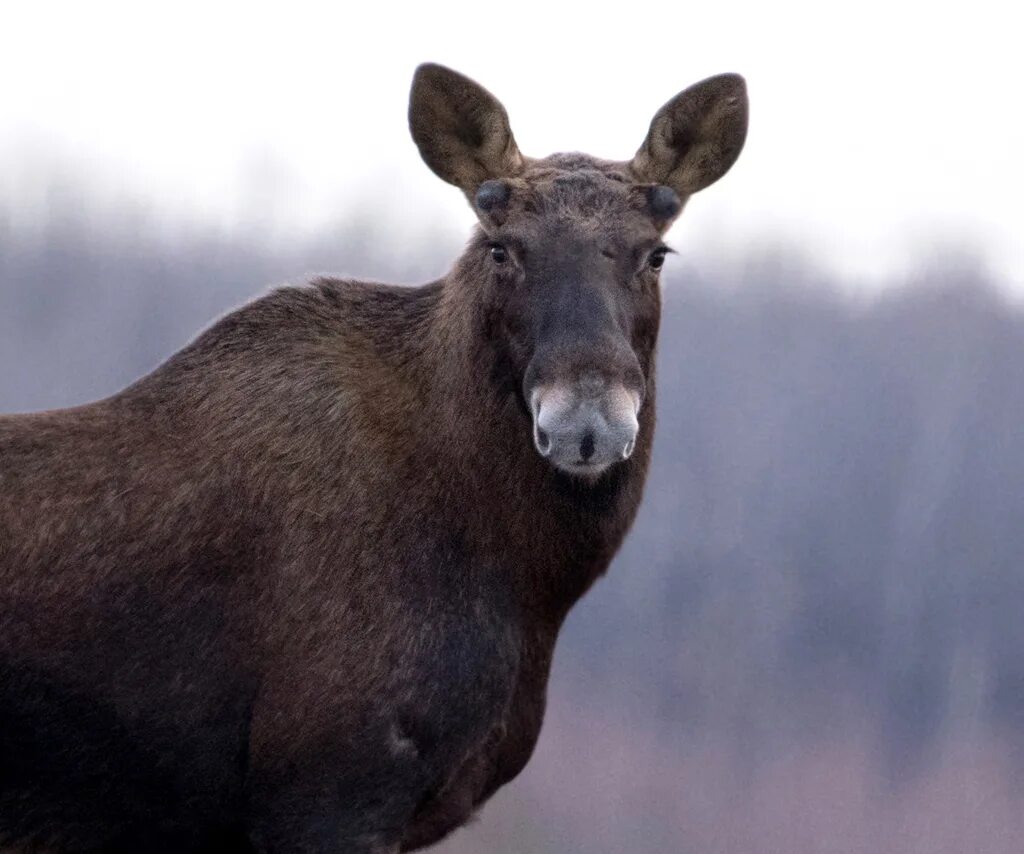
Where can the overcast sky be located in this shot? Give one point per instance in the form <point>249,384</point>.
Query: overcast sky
<point>881,133</point>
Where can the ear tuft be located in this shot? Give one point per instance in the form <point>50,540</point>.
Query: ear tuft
<point>696,137</point>
<point>461,129</point>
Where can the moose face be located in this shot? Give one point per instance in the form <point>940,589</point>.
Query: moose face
<point>570,268</point>
<point>568,254</point>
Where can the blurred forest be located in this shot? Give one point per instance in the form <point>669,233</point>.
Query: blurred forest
<point>813,640</point>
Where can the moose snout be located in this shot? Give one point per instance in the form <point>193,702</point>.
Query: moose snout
<point>585,426</point>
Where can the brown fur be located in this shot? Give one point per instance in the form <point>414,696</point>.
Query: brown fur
<point>299,588</point>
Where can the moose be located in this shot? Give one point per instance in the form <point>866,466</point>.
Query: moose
<point>298,589</point>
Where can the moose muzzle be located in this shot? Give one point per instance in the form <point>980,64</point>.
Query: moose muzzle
<point>583,427</point>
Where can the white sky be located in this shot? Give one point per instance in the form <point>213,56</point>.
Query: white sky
<point>880,132</point>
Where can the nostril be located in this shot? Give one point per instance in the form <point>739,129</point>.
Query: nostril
<point>587,446</point>
<point>543,442</point>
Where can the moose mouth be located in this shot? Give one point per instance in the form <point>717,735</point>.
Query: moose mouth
<point>583,433</point>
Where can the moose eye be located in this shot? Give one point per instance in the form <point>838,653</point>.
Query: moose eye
<point>498,254</point>
<point>657,257</point>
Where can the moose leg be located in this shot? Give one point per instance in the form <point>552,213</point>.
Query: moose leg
<point>359,802</point>
<point>329,773</point>
<point>345,750</point>
<point>312,820</point>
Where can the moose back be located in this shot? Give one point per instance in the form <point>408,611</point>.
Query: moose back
<point>298,589</point>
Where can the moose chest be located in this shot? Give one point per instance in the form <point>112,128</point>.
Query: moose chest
<point>411,690</point>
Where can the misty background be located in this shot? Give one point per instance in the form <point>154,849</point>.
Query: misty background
<point>813,639</point>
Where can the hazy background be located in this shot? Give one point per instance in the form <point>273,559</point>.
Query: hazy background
<point>813,640</point>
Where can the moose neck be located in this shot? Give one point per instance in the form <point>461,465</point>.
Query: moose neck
<point>557,532</point>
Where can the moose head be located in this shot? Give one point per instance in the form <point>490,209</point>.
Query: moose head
<point>567,255</point>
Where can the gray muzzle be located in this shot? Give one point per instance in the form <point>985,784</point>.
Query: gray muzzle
<point>583,428</point>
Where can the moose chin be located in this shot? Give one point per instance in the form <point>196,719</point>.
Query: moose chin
<point>298,589</point>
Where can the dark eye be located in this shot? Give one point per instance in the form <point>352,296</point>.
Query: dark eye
<point>498,254</point>
<point>657,258</point>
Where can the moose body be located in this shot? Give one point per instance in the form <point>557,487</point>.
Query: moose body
<point>299,588</point>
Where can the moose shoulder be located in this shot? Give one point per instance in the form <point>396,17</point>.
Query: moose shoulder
<point>298,589</point>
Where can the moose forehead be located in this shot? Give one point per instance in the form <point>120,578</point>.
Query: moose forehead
<point>576,194</point>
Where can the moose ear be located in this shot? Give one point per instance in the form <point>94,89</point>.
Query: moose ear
<point>696,137</point>
<point>461,129</point>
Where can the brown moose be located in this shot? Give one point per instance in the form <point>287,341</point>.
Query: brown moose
<point>298,589</point>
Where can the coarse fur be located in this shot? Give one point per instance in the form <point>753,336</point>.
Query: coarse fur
<point>298,589</point>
